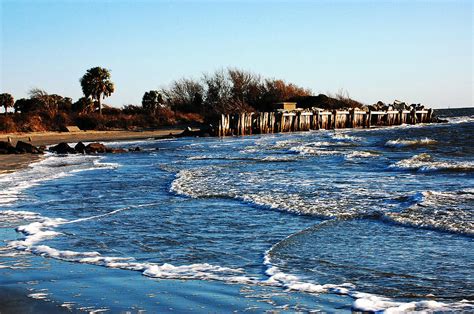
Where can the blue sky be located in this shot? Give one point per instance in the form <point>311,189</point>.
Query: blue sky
<point>418,51</point>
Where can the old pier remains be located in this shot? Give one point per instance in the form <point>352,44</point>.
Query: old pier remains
<point>290,119</point>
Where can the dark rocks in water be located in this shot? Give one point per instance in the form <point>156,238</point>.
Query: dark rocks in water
<point>203,132</point>
<point>93,148</point>
<point>96,148</point>
<point>135,149</point>
<point>80,148</point>
<point>187,132</point>
<point>20,148</point>
<point>26,148</point>
<point>116,150</point>
<point>439,120</point>
<point>62,148</point>
<point>7,148</point>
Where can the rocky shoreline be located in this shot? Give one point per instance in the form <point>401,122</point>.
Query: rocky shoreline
<point>61,148</point>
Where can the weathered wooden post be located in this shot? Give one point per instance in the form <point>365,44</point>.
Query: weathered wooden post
<point>369,119</point>
<point>430,115</point>
<point>352,120</point>
<point>316,119</point>
<point>413,116</point>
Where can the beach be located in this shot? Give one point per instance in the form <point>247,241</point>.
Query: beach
<point>281,222</point>
<point>10,163</point>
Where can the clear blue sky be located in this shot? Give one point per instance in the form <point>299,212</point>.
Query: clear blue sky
<point>418,51</point>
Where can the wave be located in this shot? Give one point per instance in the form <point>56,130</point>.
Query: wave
<point>439,210</point>
<point>364,302</point>
<point>44,228</point>
<point>317,151</point>
<point>360,154</point>
<point>406,143</point>
<point>256,159</point>
<point>461,119</point>
<point>50,168</point>
<point>425,163</point>
<point>340,136</point>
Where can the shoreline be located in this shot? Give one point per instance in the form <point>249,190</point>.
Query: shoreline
<point>14,162</point>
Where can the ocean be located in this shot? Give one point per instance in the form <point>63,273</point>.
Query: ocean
<point>377,219</point>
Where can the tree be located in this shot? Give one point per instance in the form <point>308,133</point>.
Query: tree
<point>83,105</point>
<point>183,95</point>
<point>6,100</point>
<point>151,101</point>
<point>96,83</point>
<point>24,105</point>
<point>45,102</point>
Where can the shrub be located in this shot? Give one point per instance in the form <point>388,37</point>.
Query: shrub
<point>7,124</point>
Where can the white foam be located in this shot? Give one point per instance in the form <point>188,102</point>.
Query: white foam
<point>52,167</point>
<point>314,150</point>
<point>441,210</point>
<point>405,143</point>
<point>38,296</point>
<point>425,163</point>
<point>345,137</point>
<point>360,154</point>
<point>462,119</point>
<point>44,229</point>
<point>364,302</point>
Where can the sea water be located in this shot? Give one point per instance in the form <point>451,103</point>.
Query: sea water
<point>383,216</point>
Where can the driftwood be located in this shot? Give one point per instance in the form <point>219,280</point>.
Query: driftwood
<point>295,121</point>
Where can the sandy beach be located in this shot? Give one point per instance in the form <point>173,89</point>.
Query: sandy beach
<point>10,163</point>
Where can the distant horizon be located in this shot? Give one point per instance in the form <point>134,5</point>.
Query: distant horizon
<point>416,52</point>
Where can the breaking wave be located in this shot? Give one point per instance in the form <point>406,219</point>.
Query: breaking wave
<point>50,168</point>
<point>405,143</point>
<point>425,163</point>
<point>44,228</point>
<point>446,211</point>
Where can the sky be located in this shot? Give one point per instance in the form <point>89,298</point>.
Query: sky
<point>415,51</point>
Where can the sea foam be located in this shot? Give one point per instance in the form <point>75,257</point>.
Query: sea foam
<point>425,163</point>
<point>406,143</point>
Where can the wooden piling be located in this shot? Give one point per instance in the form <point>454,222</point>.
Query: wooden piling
<point>294,121</point>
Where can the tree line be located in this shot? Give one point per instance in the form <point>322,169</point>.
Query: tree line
<point>226,91</point>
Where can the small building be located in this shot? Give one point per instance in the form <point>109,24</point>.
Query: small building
<point>285,106</point>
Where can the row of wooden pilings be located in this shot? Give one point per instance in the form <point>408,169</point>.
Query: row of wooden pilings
<point>294,121</point>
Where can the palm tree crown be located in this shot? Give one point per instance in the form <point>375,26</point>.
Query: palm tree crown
<point>6,100</point>
<point>96,83</point>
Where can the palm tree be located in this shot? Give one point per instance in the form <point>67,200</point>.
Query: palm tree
<point>96,83</point>
<point>6,100</point>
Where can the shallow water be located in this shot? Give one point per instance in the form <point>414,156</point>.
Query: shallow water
<point>383,216</point>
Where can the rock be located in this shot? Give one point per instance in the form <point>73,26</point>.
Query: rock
<point>62,148</point>
<point>96,148</point>
<point>7,148</point>
<point>135,149</point>
<point>203,132</point>
<point>439,120</point>
<point>116,150</point>
<point>187,132</point>
<point>23,147</point>
<point>80,148</point>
